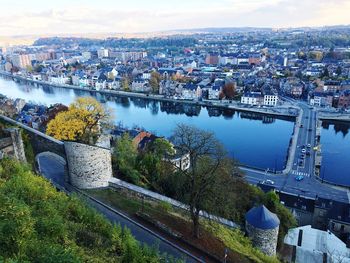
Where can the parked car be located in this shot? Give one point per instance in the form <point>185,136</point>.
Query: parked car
<point>309,145</point>
<point>303,151</point>
<point>299,178</point>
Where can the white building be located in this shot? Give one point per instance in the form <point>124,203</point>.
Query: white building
<point>59,80</point>
<point>102,53</point>
<point>270,100</point>
<point>314,246</point>
<point>252,98</point>
<point>181,162</point>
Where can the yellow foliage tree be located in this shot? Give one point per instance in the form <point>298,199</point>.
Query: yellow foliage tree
<point>81,122</point>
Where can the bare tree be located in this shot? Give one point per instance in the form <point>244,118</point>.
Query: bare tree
<point>205,180</point>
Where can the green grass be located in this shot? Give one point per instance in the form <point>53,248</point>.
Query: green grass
<point>39,224</point>
<point>236,241</point>
<point>232,238</point>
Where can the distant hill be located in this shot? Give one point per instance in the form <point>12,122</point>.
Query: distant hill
<point>30,39</point>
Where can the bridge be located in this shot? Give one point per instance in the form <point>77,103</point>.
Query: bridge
<point>300,164</point>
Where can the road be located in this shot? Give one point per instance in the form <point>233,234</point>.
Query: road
<point>53,169</point>
<point>309,186</point>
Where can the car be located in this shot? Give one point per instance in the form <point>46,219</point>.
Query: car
<point>299,178</point>
<point>308,153</point>
<point>309,145</point>
<point>302,156</point>
<point>309,129</point>
<point>301,163</point>
<point>301,126</point>
<point>268,181</point>
<point>303,151</point>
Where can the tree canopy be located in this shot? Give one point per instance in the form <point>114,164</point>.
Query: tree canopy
<point>81,122</point>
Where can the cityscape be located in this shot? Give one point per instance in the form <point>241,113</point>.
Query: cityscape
<point>223,141</point>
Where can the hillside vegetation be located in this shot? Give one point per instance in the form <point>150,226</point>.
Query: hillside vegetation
<point>39,224</point>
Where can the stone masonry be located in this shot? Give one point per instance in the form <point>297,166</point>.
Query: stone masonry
<point>89,166</point>
<point>18,146</point>
<point>265,240</point>
<point>13,145</point>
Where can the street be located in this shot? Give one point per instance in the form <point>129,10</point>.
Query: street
<point>303,166</point>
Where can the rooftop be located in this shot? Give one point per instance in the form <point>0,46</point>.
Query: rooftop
<point>261,217</point>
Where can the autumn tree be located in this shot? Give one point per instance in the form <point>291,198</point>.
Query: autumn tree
<point>205,182</point>
<point>228,91</point>
<point>125,84</point>
<point>155,81</point>
<point>82,122</point>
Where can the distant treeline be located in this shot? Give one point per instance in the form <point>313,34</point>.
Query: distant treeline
<point>119,42</point>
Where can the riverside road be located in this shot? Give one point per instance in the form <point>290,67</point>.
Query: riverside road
<point>301,164</point>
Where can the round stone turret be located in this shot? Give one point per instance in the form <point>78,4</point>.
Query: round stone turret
<point>88,166</point>
<point>262,228</point>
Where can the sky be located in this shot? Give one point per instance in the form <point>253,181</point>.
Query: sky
<point>54,17</point>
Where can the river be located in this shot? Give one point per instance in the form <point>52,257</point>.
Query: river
<point>253,139</point>
<point>335,143</point>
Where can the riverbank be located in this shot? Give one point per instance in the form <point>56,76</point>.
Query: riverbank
<point>334,117</point>
<point>273,111</point>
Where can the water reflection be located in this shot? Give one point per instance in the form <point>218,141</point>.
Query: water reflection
<point>254,139</point>
<point>335,143</point>
<point>342,127</point>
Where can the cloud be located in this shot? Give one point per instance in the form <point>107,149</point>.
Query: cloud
<point>87,18</point>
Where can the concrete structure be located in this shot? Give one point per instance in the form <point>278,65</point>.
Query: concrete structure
<point>88,166</point>
<point>313,246</point>
<point>262,228</point>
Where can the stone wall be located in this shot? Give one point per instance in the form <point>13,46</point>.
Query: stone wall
<point>39,141</point>
<point>18,146</point>
<point>12,145</point>
<point>88,166</point>
<point>265,240</point>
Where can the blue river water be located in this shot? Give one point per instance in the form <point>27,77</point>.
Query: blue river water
<point>253,139</point>
<point>335,141</point>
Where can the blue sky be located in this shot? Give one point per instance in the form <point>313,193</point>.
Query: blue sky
<point>23,17</point>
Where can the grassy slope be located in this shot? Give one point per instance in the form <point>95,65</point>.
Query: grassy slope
<point>39,224</point>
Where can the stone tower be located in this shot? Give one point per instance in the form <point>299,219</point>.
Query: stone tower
<point>262,228</point>
<point>89,166</point>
